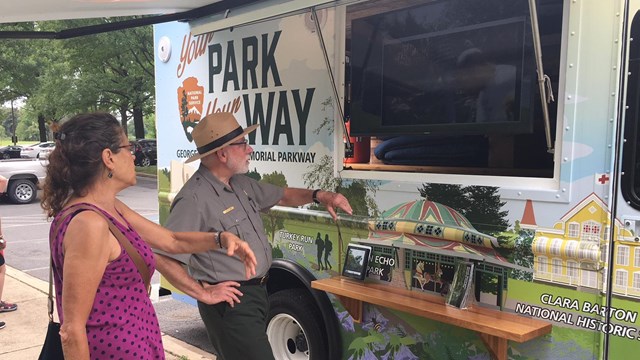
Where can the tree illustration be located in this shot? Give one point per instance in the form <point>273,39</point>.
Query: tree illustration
<point>184,110</point>
<point>357,195</point>
<point>272,222</point>
<point>481,205</point>
<point>361,193</point>
<point>485,212</point>
<point>254,174</point>
<point>452,196</point>
<point>522,254</point>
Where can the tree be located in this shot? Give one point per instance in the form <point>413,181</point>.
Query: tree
<point>120,68</point>
<point>110,72</point>
<point>7,121</point>
<point>149,126</point>
<point>22,64</point>
<point>27,127</point>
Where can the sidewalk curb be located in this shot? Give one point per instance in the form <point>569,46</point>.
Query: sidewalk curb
<point>34,282</point>
<point>174,348</point>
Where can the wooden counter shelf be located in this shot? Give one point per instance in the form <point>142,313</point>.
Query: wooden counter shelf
<point>495,327</point>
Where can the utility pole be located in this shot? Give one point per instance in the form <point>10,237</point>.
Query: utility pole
<point>14,138</point>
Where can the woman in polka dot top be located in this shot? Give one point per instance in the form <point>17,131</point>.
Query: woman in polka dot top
<point>102,301</point>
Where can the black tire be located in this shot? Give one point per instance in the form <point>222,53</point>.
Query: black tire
<point>22,191</point>
<point>6,156</point>
<point>145,161</point>
<point>294,326</point>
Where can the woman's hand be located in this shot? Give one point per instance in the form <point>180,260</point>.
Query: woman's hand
<point>240,248</point>
<point>226,291</point>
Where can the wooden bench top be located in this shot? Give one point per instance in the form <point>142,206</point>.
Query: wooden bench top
<point>496,326</point>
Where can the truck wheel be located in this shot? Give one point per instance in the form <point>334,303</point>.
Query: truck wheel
<point>145,162</point>
<point>22,191</point>
<point>294,326</point>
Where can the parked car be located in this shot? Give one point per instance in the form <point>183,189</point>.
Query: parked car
<point>10,152</point>
<point>145,151</point>
<point>44,153</point>
<point>33,151</point>
<point>24,178</point>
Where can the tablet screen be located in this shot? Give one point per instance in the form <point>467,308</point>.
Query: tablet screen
<point>356,261</point>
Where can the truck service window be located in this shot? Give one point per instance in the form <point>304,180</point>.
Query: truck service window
<point>451,84</point>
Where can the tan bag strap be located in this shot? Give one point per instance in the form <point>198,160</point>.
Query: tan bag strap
<point>143,269</point>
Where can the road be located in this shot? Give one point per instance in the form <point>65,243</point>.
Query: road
<point>26,230</point>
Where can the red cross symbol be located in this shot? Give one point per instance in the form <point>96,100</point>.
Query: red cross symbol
<point>603,179</point>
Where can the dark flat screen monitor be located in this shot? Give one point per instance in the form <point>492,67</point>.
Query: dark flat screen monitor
<point>469,79</point>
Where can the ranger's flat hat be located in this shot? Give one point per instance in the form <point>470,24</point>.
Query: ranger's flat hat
<point>215,131</point>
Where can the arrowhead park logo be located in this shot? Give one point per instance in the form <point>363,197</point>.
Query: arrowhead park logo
<point>190,101</point>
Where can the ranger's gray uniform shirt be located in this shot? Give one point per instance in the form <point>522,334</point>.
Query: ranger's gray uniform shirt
<point>206,204</point>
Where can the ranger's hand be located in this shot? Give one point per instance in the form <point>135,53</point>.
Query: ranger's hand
<point>334,200</point>
<point>240,248</point>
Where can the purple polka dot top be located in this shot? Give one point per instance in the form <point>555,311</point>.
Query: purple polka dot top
<point>122,323</point>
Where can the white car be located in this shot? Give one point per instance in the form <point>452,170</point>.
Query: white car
<point>44,153</point>
<point>33,151</point>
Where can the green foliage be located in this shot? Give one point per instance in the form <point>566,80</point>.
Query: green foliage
<point>523,255</point>
<point>277,253</point>
<point>361,193</point>
<point>357,195</point>
<point>481,205</point>
<point>7,122</point>
<point>271,220</point>
<point>110,72</point>
<point>275,178</point>
<point>149,127</point>
<point>21,64</point>
<point>327,121</point>
<point>254,175</point>
<point>27,129</point>
<point>149,170</point>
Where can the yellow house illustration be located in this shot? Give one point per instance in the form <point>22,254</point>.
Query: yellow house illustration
<point>575,251</point>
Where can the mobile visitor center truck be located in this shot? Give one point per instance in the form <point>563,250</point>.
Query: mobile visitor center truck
<point>497,133</point>
<point>492,139</point>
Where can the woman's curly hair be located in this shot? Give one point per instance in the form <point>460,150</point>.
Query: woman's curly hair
<point>76,162</point>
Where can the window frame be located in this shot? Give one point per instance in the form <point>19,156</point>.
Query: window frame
<point>539,188</point>
<point>622,253</point>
